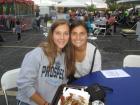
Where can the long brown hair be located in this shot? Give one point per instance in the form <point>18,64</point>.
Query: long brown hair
<point>70,59</point>
<point>73,25</point>
<point>50,49</point>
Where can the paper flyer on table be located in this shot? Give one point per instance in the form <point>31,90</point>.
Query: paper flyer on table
<point>115,73</point>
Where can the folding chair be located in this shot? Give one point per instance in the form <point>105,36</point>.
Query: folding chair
<point>8,81</point>
<point>131,61</point>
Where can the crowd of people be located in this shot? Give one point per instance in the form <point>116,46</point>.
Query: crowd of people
<point>107,19</point>
<point>98,19</point>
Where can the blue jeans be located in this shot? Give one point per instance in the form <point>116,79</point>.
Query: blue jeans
<point>21,103</point>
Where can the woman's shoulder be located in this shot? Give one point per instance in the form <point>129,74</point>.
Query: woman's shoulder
<point>90,45</point>
<point>36,51</point>
<point>90,48</point>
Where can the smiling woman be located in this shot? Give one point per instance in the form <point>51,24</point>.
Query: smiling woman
<point>87,58</point>
<point>46,67</point>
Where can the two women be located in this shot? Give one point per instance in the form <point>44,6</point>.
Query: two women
<point>48,66</point>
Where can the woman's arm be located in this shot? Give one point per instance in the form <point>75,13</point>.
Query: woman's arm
<point>38,99</point>
<point>28,77</point>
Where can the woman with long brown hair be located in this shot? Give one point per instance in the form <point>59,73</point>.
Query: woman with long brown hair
<point>46,67</point>
<point>87,56</point>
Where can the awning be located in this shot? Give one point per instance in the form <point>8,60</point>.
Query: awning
<point>2,1</point>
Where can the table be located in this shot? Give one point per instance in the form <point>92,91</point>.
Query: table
<point>126,91</point>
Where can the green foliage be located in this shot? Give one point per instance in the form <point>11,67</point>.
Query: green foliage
<point>91,8</point>
<point>112,5</point>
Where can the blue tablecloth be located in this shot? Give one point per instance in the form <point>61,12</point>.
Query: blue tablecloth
<point>126,90</point>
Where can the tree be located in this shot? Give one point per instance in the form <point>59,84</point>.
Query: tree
<point>91,8</point>
<point>112,5</point>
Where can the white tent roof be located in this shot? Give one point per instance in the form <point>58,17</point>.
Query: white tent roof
<point>97,1</point>
<point>125,1</point>
<point>47,3</point>
<point>71,3</point>
<point>136,7</point>
<point>97,4</point>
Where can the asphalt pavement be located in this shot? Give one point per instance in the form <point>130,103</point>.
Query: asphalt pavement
<point>113,49</point>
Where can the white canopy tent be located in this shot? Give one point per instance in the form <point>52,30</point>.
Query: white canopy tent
<point>92,1</point>
<point>47,3</point>
<point>71,3</point>
<point>44,6</point>
<point>97,4</point>
<point>128,1</point>
<point>136,7</point>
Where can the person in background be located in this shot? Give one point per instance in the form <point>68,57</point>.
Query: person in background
<point>46,18</point>
<point>38,22</point>
<point>18,30</point>
<point>89,23</point>
<point>111,24</point>
<point>34,25</point>
<point>46,67</point>
<point>83,51</point>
